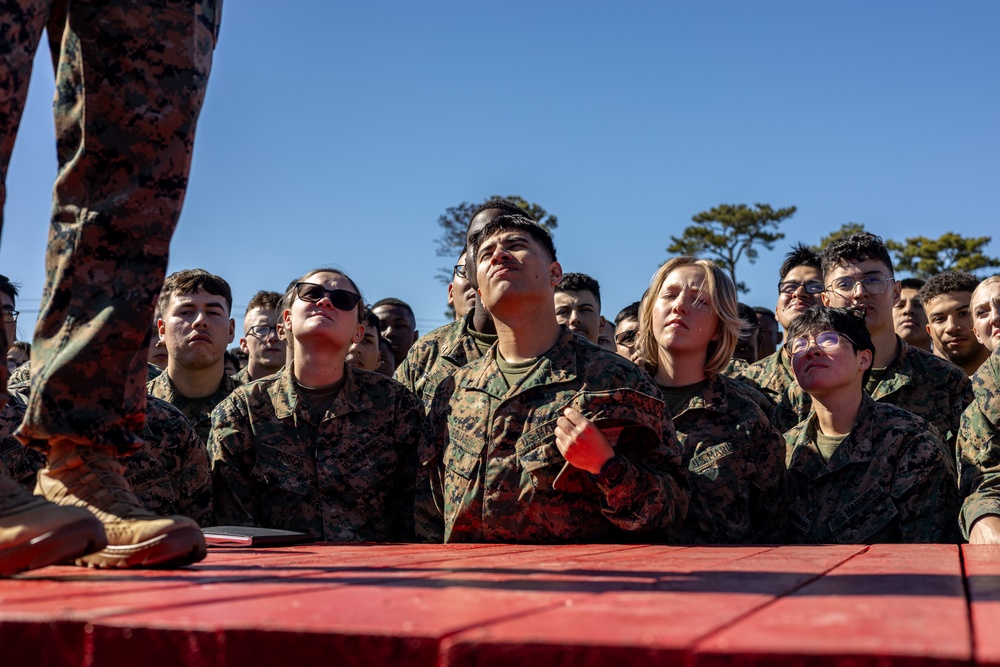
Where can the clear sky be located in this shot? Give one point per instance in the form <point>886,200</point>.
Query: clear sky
<point>337,132</point>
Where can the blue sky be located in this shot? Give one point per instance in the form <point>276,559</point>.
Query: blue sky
<point>336,133</point>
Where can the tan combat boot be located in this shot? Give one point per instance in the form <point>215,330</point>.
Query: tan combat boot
<point>35,533</point>
<point>90,477</point>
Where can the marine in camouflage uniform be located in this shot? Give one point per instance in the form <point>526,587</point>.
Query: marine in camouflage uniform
<point>979,447</point>
<point>20,378</point>
<point>490,464</point>
<point>169,473</point>
<point>888,481</point>
<point>917,381</point>
<point>772,376</point>
<point>736,468</point>
<point>197,410</point>
<point>439,354</point>
<point>123,160</point>
<point>345,477</point>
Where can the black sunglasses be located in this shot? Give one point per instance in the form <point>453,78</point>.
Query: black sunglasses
<point>340,299</point>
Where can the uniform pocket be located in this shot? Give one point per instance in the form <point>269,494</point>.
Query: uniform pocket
<point>281,470</point>
<point>865,517</point>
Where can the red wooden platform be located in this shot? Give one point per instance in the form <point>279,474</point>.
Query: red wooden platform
<point>487,605</point>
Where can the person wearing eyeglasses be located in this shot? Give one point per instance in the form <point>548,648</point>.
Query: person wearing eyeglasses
<point>735,461</point>
<point>800,286</point>
<point>626,329</point>
<point>461,293</point>
<point>320,447</point>
<point>859,471</point>
<point>196,328</point>
<point>265,351</point>
<point>858,274</point>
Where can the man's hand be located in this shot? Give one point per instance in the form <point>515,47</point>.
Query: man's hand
<point>985,530</point>
<point>581,443</point>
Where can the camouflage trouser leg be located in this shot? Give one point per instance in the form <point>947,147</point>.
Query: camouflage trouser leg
<point>130,80</point>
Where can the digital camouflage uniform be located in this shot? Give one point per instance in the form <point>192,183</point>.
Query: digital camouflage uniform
<point>736,468</point>
<point>197,410</point>
<point>20,379</point>
<point>888,481</point>
<point>489,458</point>
<point>917,381</point>
<point>125,117</point>
<point>436,356</point>
<point>169,473</point>
<point>348,478</point>
<point>979,447</point>
<point>772,376</point>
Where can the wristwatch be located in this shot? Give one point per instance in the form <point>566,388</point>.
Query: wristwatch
<point>612,472</point>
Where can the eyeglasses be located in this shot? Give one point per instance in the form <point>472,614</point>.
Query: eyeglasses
<point>261,331</point>
<point>460,271</point>
<point>10,316</point>
<point>811,287</point>
<point>626,337</point>
<point>873,284</point>
<point>826,341</point>
<point>340,299</point>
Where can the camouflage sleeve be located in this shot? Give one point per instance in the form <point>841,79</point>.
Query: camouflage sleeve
<point>428,511</point>
<point>768,497</point>
<point>231,451</point>
<point>653,494</point>
<point>403,375</point>
<point>924,491</point>
<point>978,453</point>
<point>409,416</point>
<point>194,497</point>
<point>962,398</point>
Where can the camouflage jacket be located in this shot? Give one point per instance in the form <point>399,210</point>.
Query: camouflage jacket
<point>888,481</point>
<point>489,461</point>
<point>979,447</point>
<point>917,381</point>
<point>169,473</point>
<point>243,376</point>
<point>348,478</point>
<point>22,375</point>
<point>436,356</point>
<point>736,468</point>
<point>197,410</point>
<point>772,376</point>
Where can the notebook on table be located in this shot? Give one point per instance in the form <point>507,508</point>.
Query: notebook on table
<point>251,536</point>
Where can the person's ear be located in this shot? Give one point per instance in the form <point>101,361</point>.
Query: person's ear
<point>865,359</point>
<point>232,330</point>
<point>555,273</point>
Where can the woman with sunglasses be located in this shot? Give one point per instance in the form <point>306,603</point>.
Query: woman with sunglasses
<point>859,472</point>
<point>320,447</point>
<point>688,329</point>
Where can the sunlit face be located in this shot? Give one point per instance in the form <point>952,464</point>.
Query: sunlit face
<point>908,317</point>
<point>684,320</point>
<point>196,328</point>
<point>625,334</point>
<point>320,324</point>
<point>877,307</point>
<point>949,322</point>
<point>986,315</point>
<point>580,312</point>
<point>263,351</point>
<point>512,264</point>
<point>792,305</point>
<point>819,370</point>
<point>364,353</point>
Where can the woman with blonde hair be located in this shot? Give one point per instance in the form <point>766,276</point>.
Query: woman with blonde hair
<point>735,459</point>
<point>985,307</point>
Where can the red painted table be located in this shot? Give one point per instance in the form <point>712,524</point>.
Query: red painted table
<point>490,605</point>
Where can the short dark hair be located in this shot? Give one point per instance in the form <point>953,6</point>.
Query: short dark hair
<point>9,288</point>
<point>390,301</point>
<point>629,312</point>
<point>505,222</point>
<point>501,204</point>
<point>767,312</point>
<point>912,283</point>
<point>230,356</point>
<point>578,282</point>
<point>947,282</point>
<point>292,292</point>
<point>264,300</point>
<point>847,321</point>
<point>190,281</point>
<point>855,248</point>
<point>370,320</point>
<point>747,314</point>
<point>799,255</point>
<point>238,353</point>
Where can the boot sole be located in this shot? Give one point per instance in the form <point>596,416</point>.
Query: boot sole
<point>173,549</point>
<point>56,546</point>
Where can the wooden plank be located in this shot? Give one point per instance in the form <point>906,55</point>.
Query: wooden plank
<point>687,595</point>
<point>893,605</point>
<point>982,572</point>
